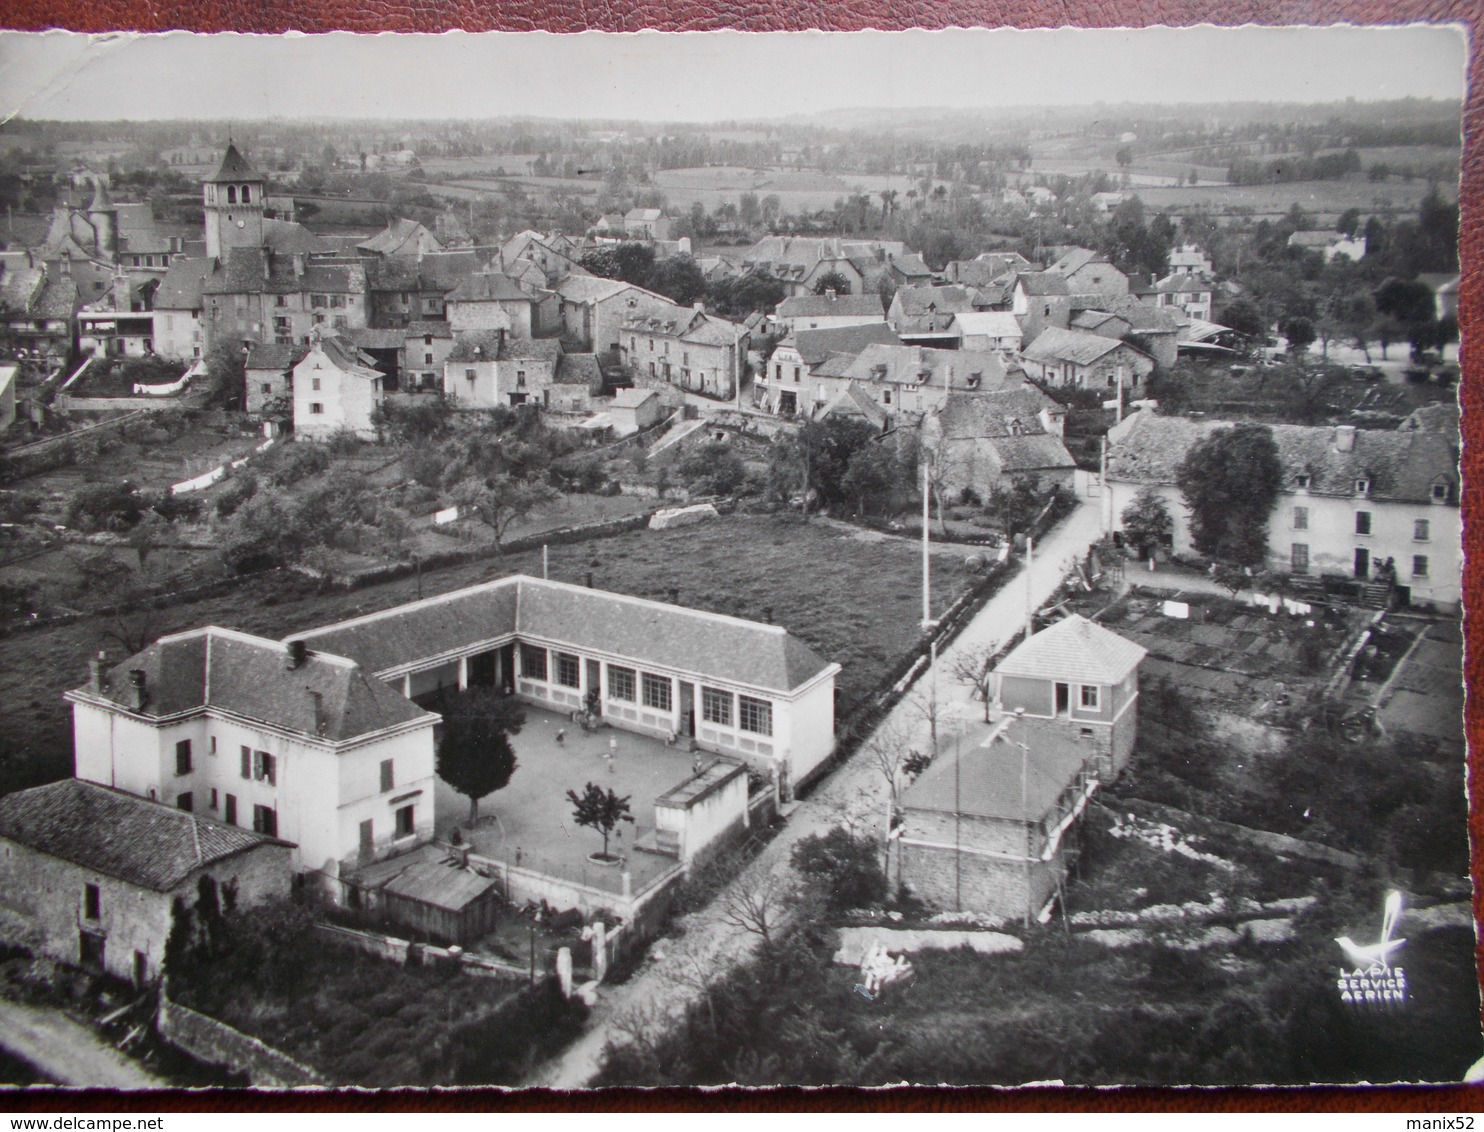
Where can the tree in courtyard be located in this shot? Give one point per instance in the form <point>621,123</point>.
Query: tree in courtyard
<point>1230,480</point>
<point>474,755</point>
<point>832,281</point>
<point>1147,523</point>
<point>601,810</point>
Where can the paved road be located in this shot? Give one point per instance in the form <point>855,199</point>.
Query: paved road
<point>67,1052</point>
<point>854,794</point>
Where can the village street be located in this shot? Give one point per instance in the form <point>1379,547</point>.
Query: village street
<point>68,1052</point>
<point>854,794</point>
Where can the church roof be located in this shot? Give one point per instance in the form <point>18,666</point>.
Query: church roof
<point>234,167</point>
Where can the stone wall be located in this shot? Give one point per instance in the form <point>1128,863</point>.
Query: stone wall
<point>216,1043</point>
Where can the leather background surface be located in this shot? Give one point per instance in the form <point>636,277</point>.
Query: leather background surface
<point>780,15</point>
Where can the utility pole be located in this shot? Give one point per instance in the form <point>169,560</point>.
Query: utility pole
<point>1030,561</point>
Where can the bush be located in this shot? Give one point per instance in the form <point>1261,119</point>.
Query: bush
<point>177,508</point>
<point>578,471</point>
<point>104,507</point>
<point>846,866</point>
<point>343,443</point>
<point>293,462</point>
<point>237,492</point>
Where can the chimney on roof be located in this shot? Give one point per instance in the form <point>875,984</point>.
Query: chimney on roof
<point>768,614</point>
<point>674,596</point>
<point>294,654</point>
<point>97,681</point>
<point>829,293</point>
<point>589,579</point>
<point>138,689</point>
<point>700,307</point>
<point>1344,438</point>
<point>318,700</point>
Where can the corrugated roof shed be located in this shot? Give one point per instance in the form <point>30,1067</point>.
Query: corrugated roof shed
<point>143,843</point>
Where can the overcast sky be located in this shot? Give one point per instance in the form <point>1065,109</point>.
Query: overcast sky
<point>708,76</point>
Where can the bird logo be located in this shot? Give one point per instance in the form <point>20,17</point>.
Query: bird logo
<point>1376,958</point>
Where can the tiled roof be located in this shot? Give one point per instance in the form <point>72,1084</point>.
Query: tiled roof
<point>1005,412</point>
<point>1401,465</point>
<point>20,286</point>
<point>376,338</point>
<point>816,345</point>
<point>146,844</point>
<point>632,398</point>
<point>1032,453</point>
<point>1182,284</point>
<point>344,354</point>
<point>234,167</point>
<point>1074,649</point>
<point>595,621</point>
<point>478,346</point>
<point>813,306</point>
<point>1056,345</point>
<point>436,271</point>
<point>1142,317</point>
<point>854,401</point>
<point>590,288</point>
<point>487,287</point>
<point>988,781</point>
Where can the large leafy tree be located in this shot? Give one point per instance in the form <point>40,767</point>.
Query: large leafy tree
<point>1230,480</point>
<point>1147,522</point>
<point>599,809</point>
<point>474,754</point>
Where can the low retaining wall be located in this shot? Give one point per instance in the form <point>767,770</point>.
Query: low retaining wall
<point>402,952</point>
<point>216,1043</point>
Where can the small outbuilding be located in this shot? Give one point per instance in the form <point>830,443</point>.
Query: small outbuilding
<point>444,899</point>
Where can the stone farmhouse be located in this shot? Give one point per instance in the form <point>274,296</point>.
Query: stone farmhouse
<point>785,385</point>
<point>828,311</point>
<point>336,387</point>
<point>1085,361</point>
<point>91,872</point>
<point>1352,500</point>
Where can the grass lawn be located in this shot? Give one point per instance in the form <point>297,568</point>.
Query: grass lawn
<point>856,602</point>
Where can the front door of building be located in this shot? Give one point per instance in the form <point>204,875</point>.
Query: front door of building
<point>687,708</point>
<point>1362,563</point>
<point>1063,699</point>
<point>594,685</point>
<point>482,670</point>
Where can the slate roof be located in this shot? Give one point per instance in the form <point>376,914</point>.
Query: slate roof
<point>344,353</point>
<point>479,346</point>
<point>919,301</point>
<point>1074,649</point>
<point>436,271</point>
<point>395,237</point>
<point>234,167</point>
<point>487,287</point>
<point>1056,345</point>
<point>912,265</point>
<point>992,324</point>
<point>248,677</point>
<point>950,369</point>
<point>579,369</point>
<point>1075,259</point>
<point>1182,284</point>
<point>1402,465</point>
<point>274,356</point>
<point>1043,283</point>
<point>58,299</point>
<point>537,349</point>
<point>814,346</point>
<point>988,782</point>
<point>591,288</point>
<point>20,287</point>
<point>376,338</point>
<point>854,401</point>
<point>632,398</point>
<point>289,236</point>
<point>814,306</point>
<point>634,629</point>
<point>1142,317</point>
<point>146,844</point>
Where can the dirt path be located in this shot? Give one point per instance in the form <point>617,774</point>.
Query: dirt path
<point>855,794</point>
<point>67,1052</point>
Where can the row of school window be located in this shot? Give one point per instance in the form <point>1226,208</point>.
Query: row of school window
<point>628,684</point>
